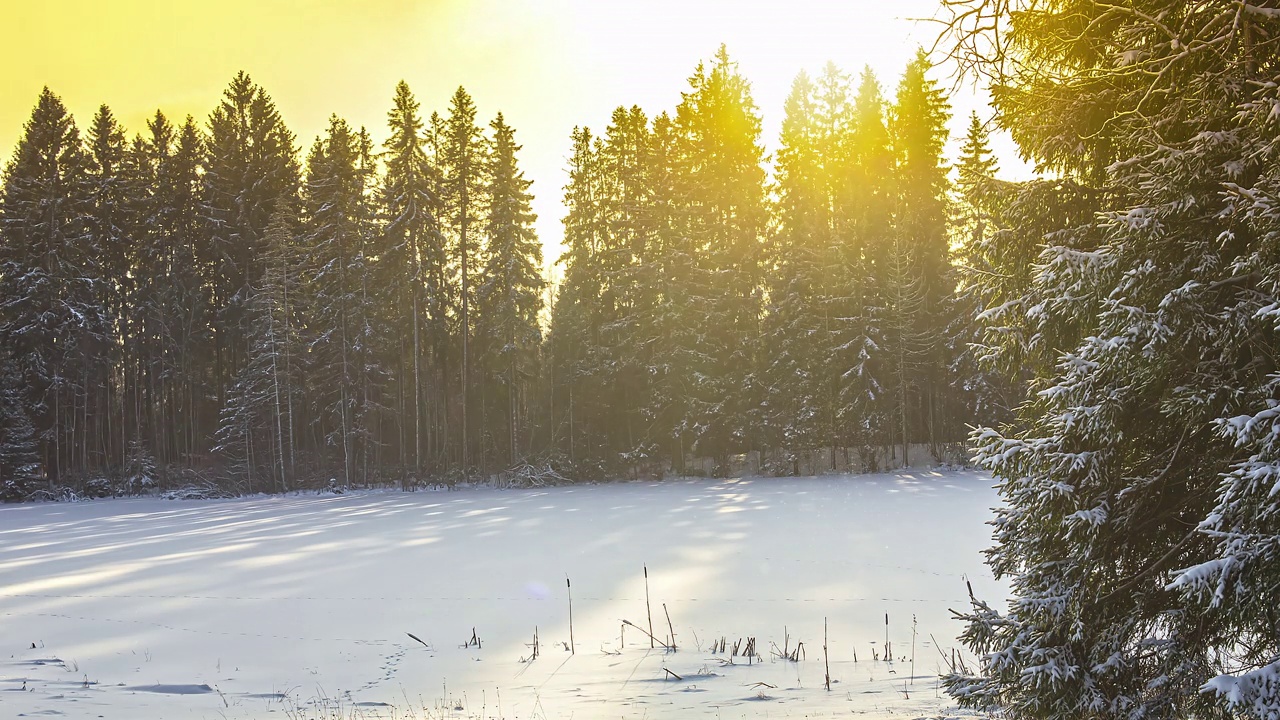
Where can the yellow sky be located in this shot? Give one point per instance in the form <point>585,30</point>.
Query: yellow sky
<point>546,64</point>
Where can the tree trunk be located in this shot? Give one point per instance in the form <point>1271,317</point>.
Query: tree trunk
<point>466,333</point>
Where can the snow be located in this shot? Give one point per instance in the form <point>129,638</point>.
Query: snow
<point>262,607</point>
<point>1255,692</point>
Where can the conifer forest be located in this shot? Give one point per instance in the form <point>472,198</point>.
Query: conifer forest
<point>203,298</point>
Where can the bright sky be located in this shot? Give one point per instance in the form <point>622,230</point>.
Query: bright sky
<point>547,65</point>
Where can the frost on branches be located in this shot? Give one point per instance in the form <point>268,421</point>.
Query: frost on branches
<point>1140,529</point>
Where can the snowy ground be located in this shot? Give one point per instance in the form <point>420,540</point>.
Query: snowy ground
<point>294,607</point>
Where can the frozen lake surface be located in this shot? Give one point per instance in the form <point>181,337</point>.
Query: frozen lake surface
<point>301,606</point>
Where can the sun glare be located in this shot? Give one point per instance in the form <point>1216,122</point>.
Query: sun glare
<point>547,66</point>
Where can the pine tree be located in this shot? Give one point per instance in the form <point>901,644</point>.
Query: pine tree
<point>1138,523</point>
<point>917,133</point>
<point>626,266</point>
<point>173,300</point>
<point>20,467</point>
<point>334,201</point>
<point>250,167</point>
<point>115,193</point>
<point>254,433</point>
<point>796,325</point>
<point>574,336</point>
<point>865,199</point>
<point>990,395</point>
<point>462,168</point>
<point>413,277</point>
<point>49,282</point>
<point>724,214</point>
<point>509,299</point>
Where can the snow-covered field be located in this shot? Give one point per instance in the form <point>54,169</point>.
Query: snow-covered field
<point>300,606</point>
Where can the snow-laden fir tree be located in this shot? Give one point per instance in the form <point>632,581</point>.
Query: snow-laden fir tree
<point>1140,522</point>
<point>721,201</point>
<point>462,161</point>
<point>509,298</point>
<point>413,285</point>
<point>864,217</point>
<point>990,394</point>
<point>173,299</point>
<point>578,410</point>
<point>139,472</point>
<point>254,435</point>
<point>20,469</point>
<point>250,167</point>
<point>801,272</point>
<point>917,131</point>
<point>117,188</point>
<point>627,266</point>
<point>51,316</point>
<point>338,300</point>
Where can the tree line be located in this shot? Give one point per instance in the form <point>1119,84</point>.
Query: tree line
<point>199,298</point>
<point>708,310</point>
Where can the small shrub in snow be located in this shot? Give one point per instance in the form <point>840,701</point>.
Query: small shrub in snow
<point>140,469</point>
<point>203,490</point>
<point>58,494</point>
<point>526,475</point>
<point>100,487</point>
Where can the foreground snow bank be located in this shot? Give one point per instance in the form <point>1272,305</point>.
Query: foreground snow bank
<point>243,608</point>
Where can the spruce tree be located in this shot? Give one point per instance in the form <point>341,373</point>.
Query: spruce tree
<point>116,189</point>
<point>647,190</point>
<point>846,345</point>
<point>918,131</point>
<point>865,198</point>
<point>143,347</point>
<point>414,283</point>
<point>20,467</point>
<point>724,214</point>
<point>371,372</point>
<point>461,164</point>
<point>989,394</point>
<point>673,338</point>
<point>626,263</point>
<point>50,276</point>
<point>250,167</point>
<point>333,199</point>
<point>1138,519</point>
<point>509,299</point>
<point>576,408</point>
<point>976,167</point>
<point>176,302</point>
<point>796,325</point>
<point>254,434</point>
<point>908,339</point>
